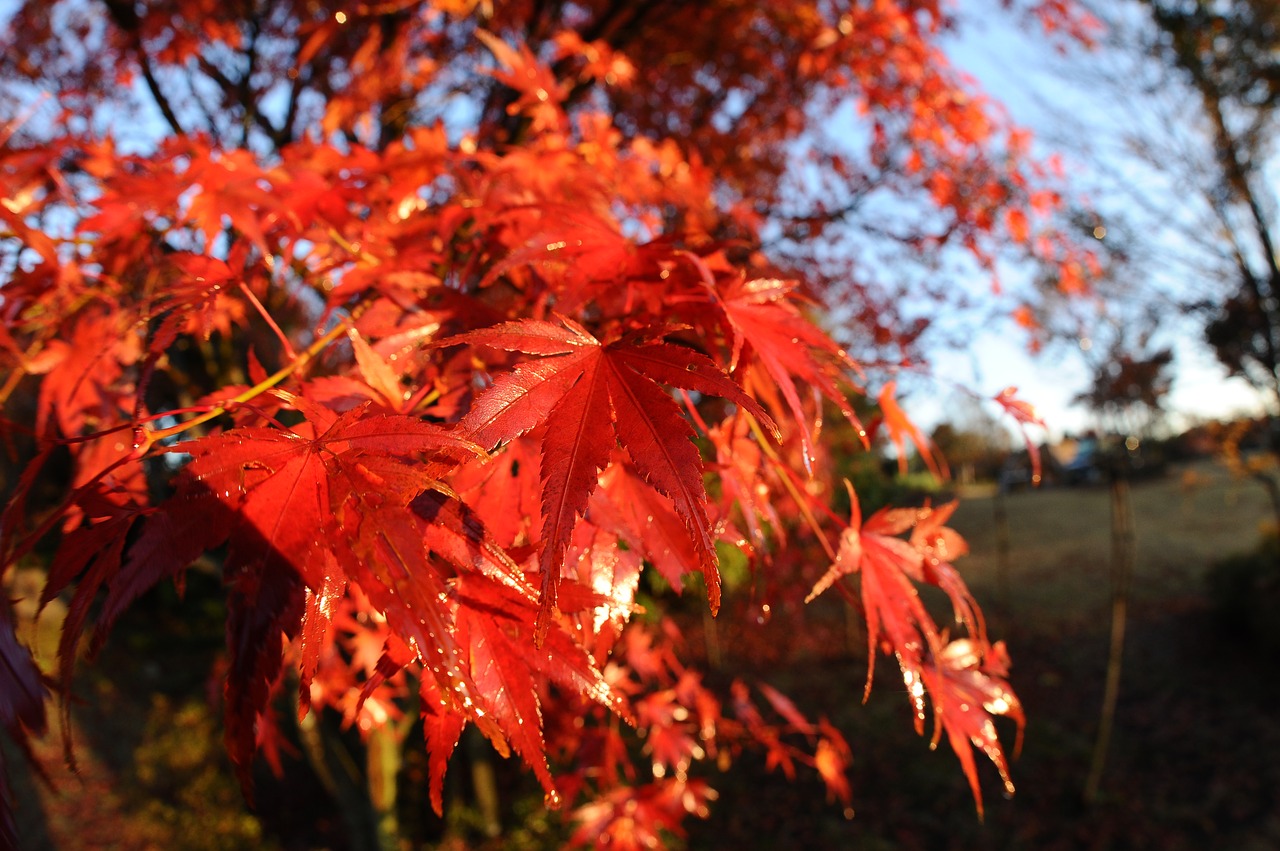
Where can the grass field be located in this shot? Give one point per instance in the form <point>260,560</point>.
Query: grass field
<point>1060,541</point>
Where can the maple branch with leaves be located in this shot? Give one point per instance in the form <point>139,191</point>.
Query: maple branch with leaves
<point>556,357</point>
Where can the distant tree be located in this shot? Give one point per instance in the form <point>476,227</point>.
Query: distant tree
<point>1187,238</point>
<point>974,443</point>
<point>1128,388</point>
<point>1228,54</point>
<point>1192,93</point>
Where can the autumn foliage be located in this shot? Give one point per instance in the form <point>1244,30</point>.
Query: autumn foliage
<point>436,324</point>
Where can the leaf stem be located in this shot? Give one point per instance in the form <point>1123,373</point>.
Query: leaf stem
<point>304,357</point>
<point>262,311</point>
<point>802,501</point>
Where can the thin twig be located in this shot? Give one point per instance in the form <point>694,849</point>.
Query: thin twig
<point>1121,574</point>
<point>262,311</point>
<point>304,357</point>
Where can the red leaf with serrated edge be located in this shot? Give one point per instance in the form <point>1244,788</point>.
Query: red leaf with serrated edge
<point>81,546</point>
<point>672,740</point>
<point>523,399</point>
<point>608,576</point>
<point>940,546</point>
<point>497,664</point>
<point>174,535</point>
<point>573,454</point>
<point>377,651</point>
<point>277,482</point>
<point>503,492</point>
<point>540,92</point>
<point>647,521</point>
<point>317,618</point>
<point>497,630</point>
<point>290,510</point>
<point>963,679</point>
<point>562,660</point>
<point>681,367</point>
<point>660,443</point>
<point>361,431</point>
<point>573,249</point>
<point>341,392</point>
<point>83,390</point>
<point>382,549</point>
<point>849,556</point>
<point>762,316</point>
<point>100,548</point>
<point>195,300</point>
<point>264,605</point>
<point>455,533</point>
<point>296,503</point>
<point>637,819</point>
<point>442,728</point>
<point>743,469</point>
<point>967,688</point>
<point>590,398</point>
<point>531,336</point>
<point>894,611</point>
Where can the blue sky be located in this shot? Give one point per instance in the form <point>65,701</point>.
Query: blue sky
<point>1021,71</point>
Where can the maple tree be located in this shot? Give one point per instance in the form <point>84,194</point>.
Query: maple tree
<point>437,323</point>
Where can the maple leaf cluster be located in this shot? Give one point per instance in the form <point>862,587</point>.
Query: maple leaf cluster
<point>434,391</point>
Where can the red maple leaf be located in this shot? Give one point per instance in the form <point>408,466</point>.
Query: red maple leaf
<point>632,819</point>
<point>647,522</point>
<point>303,515</point>
<point>901,429</point>
<point>540,92</point>
<point>940,546</point>
<point>893,608</point>
<point>82,389</point>
<point>967,687</point>
<point>496,627</point>
<point>591,397</point>
<point>763,320</point>
<point>963,679</point>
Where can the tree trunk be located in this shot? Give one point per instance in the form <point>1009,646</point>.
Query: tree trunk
<point>1122,557</point>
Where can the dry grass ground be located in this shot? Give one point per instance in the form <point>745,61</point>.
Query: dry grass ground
<point>1060,542</point>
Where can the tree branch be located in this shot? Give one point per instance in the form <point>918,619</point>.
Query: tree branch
<point>126,18</point>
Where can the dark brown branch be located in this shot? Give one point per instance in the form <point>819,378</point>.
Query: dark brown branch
<point>239,91</point>
<point>126,18</point>
<point>211,124</point>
